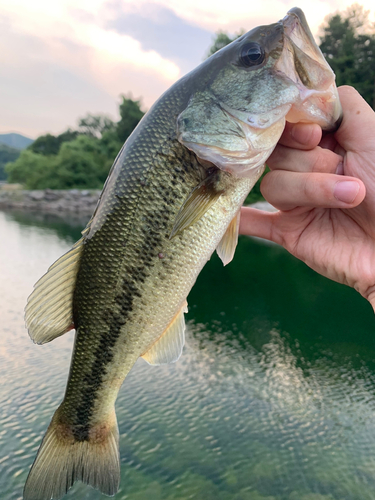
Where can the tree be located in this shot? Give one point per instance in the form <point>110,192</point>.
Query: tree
<point>347,41</point>
<point>131,114</point>
<point>31,169</point>
<point>76,158</point>
<point>7,154</point>
<point>95,125</point>
<point>79,164</point>
<point>222,39</point>
<point>49,144</point>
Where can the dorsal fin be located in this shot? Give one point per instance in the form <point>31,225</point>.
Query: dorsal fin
<point>49,309</point>
<point>168,348</point>
<point>228,243</point>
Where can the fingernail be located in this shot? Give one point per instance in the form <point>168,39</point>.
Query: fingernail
<point>340,168</point>
<point>346,191</point>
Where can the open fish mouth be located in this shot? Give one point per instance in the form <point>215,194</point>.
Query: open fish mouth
<point>279,75</point>
<point>303,63</point>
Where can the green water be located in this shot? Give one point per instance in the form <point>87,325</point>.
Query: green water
<point>272,399</point>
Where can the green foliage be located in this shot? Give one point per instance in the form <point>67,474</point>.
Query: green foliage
<point>221,40</point>
<point>30,169</point>
<point>7,154</point>
<point>348,44</point>
<point>49,144</point>
<point>80,164</point>
<point>76,158</point>
<point>110,146</point>
<point>131,114</point>
<point>95,125</point>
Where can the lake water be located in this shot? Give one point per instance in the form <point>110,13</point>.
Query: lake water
<point>272,399</point>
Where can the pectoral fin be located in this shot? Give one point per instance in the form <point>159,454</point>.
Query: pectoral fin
<point>168,348</point>
<point>197,203</point>
<point>228,243</point>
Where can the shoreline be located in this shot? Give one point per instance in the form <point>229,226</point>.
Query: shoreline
<point>80,202</point>
<point>70,201</point>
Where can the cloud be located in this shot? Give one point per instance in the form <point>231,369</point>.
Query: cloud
<point>49,50</point>
<point>56,26</point>
<point>159,28</point>
<point>60,59</point>
<point>37,94</point>
<point>231,15</point>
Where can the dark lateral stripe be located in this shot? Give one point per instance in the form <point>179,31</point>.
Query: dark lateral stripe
<point>103,354</point>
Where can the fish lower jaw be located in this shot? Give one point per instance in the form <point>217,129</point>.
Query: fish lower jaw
<point>321,107</point>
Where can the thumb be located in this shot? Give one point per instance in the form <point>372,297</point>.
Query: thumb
<point>254,222</point>
<point>356,132</point>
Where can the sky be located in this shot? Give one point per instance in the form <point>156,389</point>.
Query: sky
<point>60,59</point>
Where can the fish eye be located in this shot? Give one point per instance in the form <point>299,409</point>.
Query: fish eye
<point>252,54</point>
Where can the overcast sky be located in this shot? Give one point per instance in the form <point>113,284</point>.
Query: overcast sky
<point>60,59</point>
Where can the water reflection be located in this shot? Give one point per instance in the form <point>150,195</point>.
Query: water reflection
<point>273,398</point>
<point>66,226</point>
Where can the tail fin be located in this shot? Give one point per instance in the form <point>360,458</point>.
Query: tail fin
<point>62,460</point>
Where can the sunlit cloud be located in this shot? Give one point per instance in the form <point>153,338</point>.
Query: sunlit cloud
<point>43,37</point>
<point>63,58</point>
<point>53,22</point>
<point>214,15</point>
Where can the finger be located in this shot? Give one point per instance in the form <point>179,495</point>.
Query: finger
<point>315,160</point>
<point>254,222</point>
<point>328,142</point>
<point>287,190</point>
<point>301,135</point>
<point>356,133</point>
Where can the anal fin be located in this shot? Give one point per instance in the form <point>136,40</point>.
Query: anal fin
<point>228,243</point>
<point>168,348</point>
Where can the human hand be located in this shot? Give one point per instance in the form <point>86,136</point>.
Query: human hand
<point>325,192</point>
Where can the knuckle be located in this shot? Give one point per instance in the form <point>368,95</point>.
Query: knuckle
<point>320,163</point>
<point>325,161</point>
<point>307,187</point>
<point>315,189</point>
<point>277,158</point>
<point>310,187</point>
<point>267,182</point>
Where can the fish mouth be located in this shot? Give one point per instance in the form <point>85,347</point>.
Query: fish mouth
<point>304,65</point>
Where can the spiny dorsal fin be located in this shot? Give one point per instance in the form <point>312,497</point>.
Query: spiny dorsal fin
<point>228,243</point>
<point>197,203</point>
<point>49,309</point>
<point>168,348</point>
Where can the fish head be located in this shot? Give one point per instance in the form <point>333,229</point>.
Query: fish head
<point>243,95</point>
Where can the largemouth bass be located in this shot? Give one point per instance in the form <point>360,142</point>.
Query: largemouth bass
<point>172,197</point>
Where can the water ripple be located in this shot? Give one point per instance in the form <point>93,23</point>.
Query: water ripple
<point>239,417</point>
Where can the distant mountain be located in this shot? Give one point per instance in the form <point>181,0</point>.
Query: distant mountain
<point>16,141</point>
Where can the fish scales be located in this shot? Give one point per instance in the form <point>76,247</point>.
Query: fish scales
<point>171,198</point>
<point>137,293</point>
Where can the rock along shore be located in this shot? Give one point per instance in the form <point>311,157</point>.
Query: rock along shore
<point>75,201</point>
<point>71,201</point>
